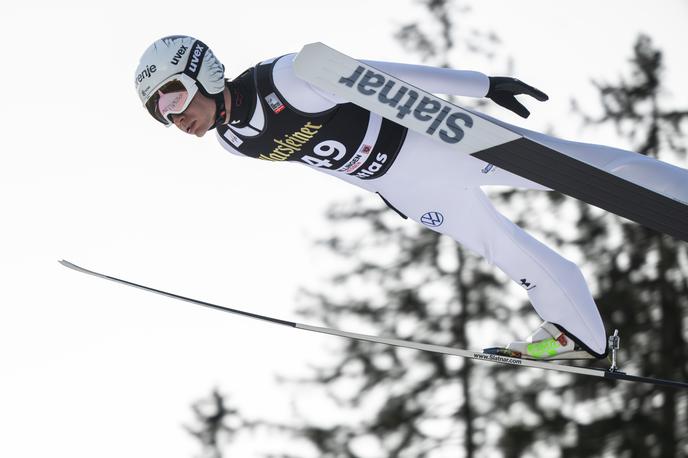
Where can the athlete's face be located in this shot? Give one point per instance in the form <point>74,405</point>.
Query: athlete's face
<point>198,117</point>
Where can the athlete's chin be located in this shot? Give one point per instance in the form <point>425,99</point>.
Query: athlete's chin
<point>201,130</point>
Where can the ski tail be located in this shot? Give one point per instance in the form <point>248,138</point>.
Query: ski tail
<point>616,375</point>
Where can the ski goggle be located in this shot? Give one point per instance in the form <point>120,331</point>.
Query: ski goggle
<point>172,97</point>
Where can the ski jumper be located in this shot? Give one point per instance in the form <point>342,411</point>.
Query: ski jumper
<point>278,117</point>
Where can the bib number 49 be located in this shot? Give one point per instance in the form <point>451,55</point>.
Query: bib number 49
<point>325,149</point>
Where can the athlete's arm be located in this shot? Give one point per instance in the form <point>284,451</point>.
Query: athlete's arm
<point>502,90</point>
<point>437,80</point>
<point>464,83</point>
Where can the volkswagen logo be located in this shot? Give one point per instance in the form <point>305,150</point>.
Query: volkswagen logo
<point>432,219</point>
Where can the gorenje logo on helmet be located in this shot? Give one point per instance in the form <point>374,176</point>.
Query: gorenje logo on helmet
<point>180,52</point>
<point>146,73</point>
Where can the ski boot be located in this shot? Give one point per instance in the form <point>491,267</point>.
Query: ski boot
<point>547,342</point>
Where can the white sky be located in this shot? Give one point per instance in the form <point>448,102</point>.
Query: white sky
<point>89,368</point>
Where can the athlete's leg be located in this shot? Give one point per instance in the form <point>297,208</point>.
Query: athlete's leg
<point>423,182</point>
<point>554,285</point>
<point>661,177</point>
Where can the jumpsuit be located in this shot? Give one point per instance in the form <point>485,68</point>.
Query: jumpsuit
<point>441,189</point>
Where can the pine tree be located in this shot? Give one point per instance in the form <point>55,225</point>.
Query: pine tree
<point>641,283</point>
<point>642,278</point>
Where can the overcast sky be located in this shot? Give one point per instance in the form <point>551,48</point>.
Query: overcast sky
<point>89,368</point>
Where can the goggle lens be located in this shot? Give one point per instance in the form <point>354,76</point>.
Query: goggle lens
<point>171,98</point>
<point>172,103</point>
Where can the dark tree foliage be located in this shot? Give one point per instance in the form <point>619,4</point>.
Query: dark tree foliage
<point>434,39</point>
<point>642,283</point>
<point>641,287</point>
<point>216,424</point>
<point>416,285</point>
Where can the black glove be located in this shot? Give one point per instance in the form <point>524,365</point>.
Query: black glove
<point>503,89</point>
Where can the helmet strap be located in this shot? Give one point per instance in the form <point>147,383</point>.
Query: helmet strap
<point>220,110</point>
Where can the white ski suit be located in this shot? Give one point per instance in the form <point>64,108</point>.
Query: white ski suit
<point>435,186</point>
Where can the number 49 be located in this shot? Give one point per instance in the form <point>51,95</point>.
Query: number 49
<point>325,149</point>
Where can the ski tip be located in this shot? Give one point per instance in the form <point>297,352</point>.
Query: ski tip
<point>72,266</point>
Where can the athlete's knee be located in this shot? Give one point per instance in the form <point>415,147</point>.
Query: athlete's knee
<point>571,269</point>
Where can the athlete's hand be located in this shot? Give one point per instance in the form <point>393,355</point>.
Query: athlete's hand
<point>503,89</point>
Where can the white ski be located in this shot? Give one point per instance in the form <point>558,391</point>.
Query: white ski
<point>612,373</point>
<point>468,133</point>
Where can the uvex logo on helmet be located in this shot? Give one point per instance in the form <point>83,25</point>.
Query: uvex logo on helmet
<point>196,56</point>
<point>180,52</point>
<point>146,73</point>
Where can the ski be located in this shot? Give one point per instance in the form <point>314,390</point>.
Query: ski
<point>612,373</point>
<point>469,133</point>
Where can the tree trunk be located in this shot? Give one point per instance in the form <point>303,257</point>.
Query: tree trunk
<point>465,373</point>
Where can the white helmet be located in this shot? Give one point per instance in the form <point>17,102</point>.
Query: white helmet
<point>176,63</point>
